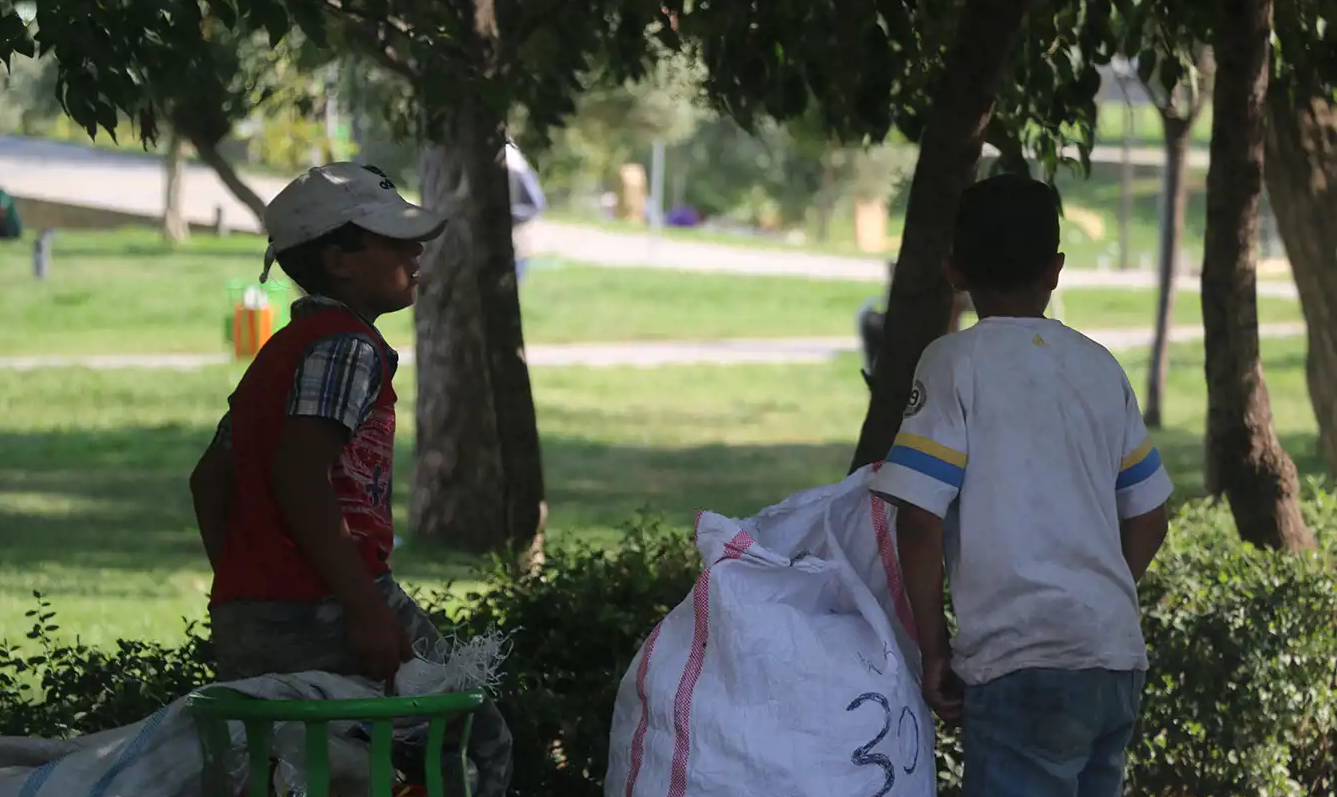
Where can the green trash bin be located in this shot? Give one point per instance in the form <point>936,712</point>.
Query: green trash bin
<point>214,707</point>
<point>277,292</point>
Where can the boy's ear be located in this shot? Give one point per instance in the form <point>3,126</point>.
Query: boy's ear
<point>954,275</point>
<point>335,261</point>
<point>1055,269</point>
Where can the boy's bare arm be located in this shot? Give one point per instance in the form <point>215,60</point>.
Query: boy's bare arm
<point>919,538</point>
<point>308,449</point>
<point>211,490</point>
<point>1142,537</point>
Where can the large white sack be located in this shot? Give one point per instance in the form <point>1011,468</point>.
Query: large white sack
<point>862,528</point>
<point>776,676</point>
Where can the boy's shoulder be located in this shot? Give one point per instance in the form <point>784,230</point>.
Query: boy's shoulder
<point>952,344</point>
<point>313,326</point>
<point>1095,358</point>
<point>322,345</point>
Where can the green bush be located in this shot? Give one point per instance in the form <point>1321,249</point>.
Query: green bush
<point>575,627</point>
<point>1241,699</point>
<point>1242,695</point>
<point>61,690</point>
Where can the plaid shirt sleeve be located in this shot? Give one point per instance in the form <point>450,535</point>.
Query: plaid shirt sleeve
<point>339,379</point>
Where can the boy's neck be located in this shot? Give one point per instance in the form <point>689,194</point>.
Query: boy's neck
<point>1011,304</point>
<point>365,313</point>
<point>369,316</point>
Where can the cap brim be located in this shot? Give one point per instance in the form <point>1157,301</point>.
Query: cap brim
<point>404,222</point>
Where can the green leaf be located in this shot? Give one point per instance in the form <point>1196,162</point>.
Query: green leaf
<point>225,11</point>
<point>15,37</point>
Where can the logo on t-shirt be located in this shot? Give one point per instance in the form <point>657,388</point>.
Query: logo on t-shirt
<point>916,402</point>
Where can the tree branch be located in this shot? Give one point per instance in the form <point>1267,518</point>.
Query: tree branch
<point>209,153</point>
<point>371,35</point>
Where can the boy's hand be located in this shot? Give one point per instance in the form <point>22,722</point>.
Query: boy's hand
<point>379,643</point>
<point>943,689</point>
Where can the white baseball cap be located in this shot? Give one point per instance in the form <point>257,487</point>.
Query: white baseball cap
<point>330,196</point>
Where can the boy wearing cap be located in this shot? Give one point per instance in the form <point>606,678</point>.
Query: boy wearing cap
<point>293,494</point>
<point>1023,448</point>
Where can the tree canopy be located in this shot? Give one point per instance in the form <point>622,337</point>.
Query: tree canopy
<point>110,53</point>
<point>762,62</point>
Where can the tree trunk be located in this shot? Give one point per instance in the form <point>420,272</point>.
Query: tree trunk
<point>175,228</point>
<point>1302,184</point>
<point>459,477</point>
<point>920,303</point>
<point>1258,478</point>
<point>1174,202</point>
<point>478,481</point>
<point>513,394</point>
<point>208,152</point>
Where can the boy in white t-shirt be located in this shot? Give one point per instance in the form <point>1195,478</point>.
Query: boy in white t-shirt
<point>1024,458</point>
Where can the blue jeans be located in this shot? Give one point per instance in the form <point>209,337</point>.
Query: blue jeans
<point>1050,733</point>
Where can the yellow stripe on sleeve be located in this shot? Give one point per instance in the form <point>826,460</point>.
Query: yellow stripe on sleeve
<point>1137,456</point>
<point>933,448</point>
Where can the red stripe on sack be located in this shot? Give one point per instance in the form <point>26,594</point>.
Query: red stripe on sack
<point>735,548</point>
<point>682,702</point>
<point>886,549</point>
<point>638,739</point>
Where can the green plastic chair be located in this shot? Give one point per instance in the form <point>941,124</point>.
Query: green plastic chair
<point>214,707</point>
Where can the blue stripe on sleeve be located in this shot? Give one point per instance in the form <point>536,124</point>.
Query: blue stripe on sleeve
<point>1141,471</point>
<point>927,464</point>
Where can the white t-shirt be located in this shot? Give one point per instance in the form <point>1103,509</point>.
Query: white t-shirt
<point>1026,437</point>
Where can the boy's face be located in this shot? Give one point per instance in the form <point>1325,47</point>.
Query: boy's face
<point>382,276</point>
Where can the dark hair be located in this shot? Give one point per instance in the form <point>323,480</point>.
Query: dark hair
<point>1006,232</point>
<point>305,263</point>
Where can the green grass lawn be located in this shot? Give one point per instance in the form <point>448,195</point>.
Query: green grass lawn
<point>93,467</point>
<point>125,292</point>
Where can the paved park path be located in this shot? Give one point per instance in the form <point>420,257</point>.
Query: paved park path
<point>641,355</point>
<point>133,182</point>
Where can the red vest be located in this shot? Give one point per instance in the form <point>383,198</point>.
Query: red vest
<point>260,560</point>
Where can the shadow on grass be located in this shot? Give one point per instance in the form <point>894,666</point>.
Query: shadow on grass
<point>99,501</point>
<point>119,499</point>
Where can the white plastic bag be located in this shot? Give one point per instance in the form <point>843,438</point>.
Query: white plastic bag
<point>861,527</point>
<point>781,674</point>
